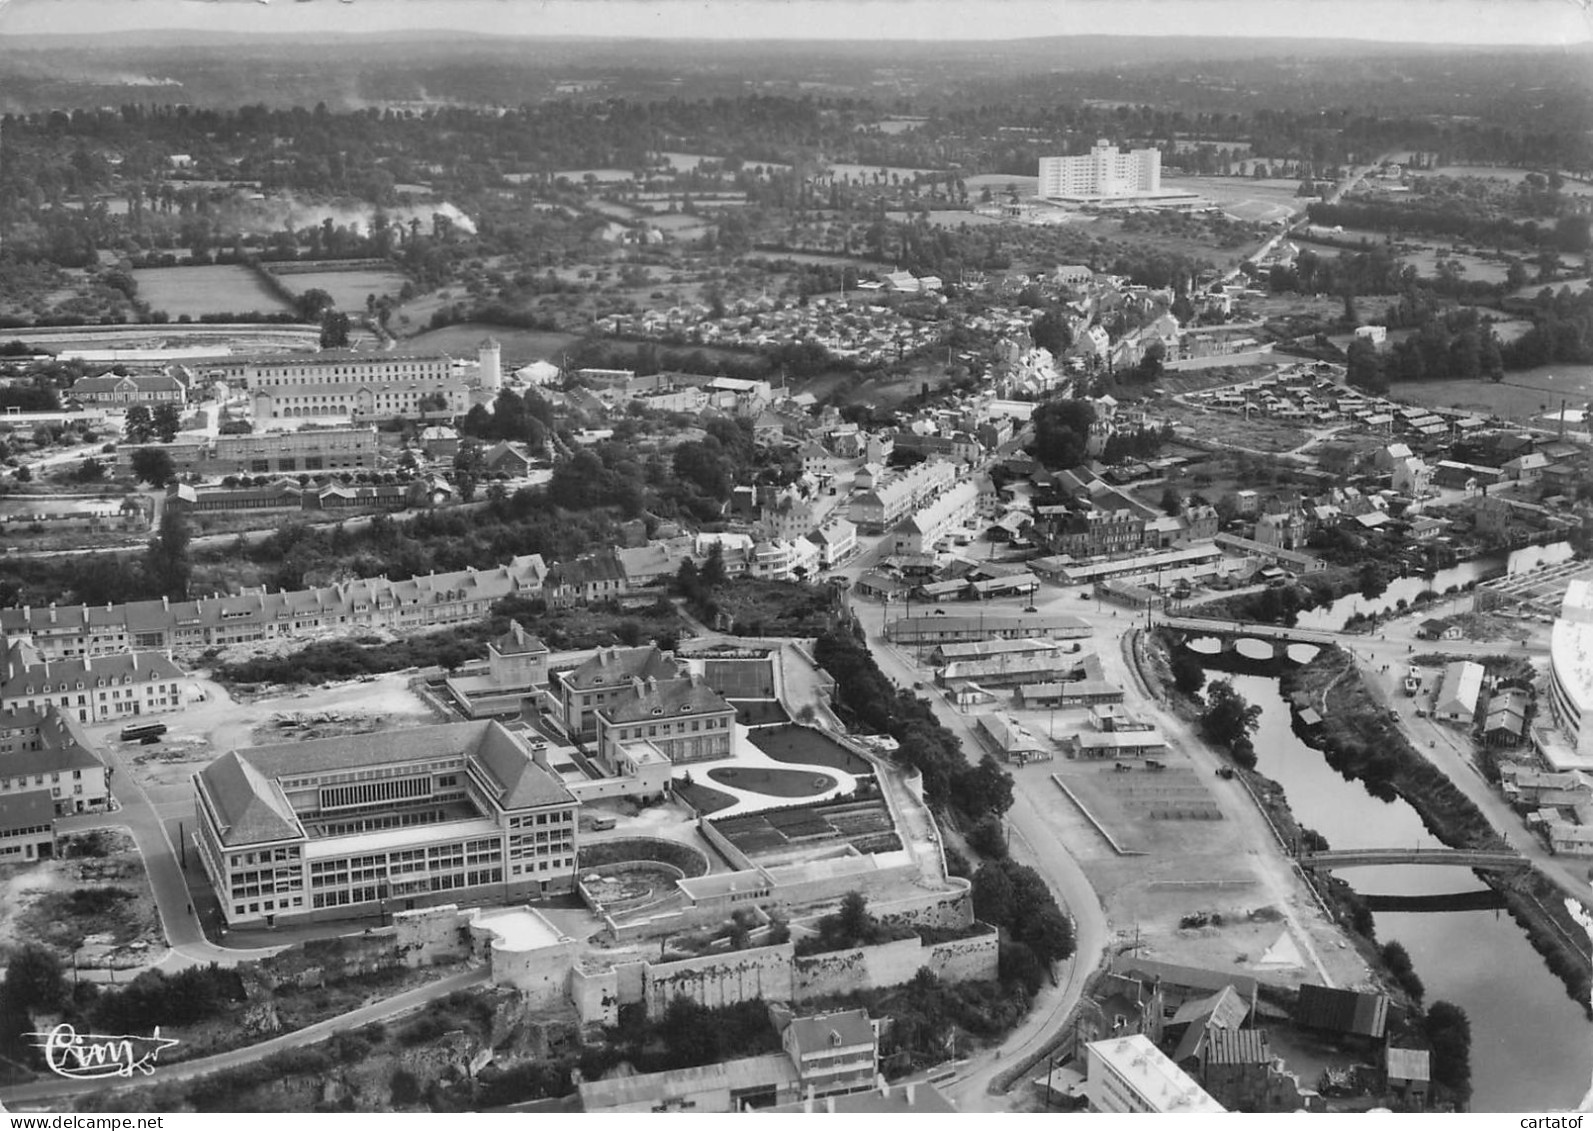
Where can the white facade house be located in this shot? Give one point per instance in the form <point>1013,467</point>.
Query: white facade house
<point>918,533</point>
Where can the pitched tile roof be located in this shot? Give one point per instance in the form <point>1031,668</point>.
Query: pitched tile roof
<point>26,810</point>
<point>831,1030</point>
<point>250,808</point>
<point>612,666</point>
<point>518,642</point>
<point>666,698</point>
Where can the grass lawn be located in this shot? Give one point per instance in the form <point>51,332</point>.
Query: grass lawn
<point>759,712</point>
<point>205,290</point>
<point>705,799</point>
<point>808,747</point>
<point>1244,198</point>
<point>520,347</point>
<point>1522,394</point>
<point>347,288</point>
<point>773,783</point>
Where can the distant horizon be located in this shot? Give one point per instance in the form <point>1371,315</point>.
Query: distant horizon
<point>1417,23</point>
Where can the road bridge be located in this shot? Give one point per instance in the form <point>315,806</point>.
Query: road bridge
<point>1489,861</point>
<point>1215,627</point>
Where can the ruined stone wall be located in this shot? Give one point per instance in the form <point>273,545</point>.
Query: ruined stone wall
<point>720,979</point>
<point>431,935</point>
<point>893,963</point>
<point>595,995</point>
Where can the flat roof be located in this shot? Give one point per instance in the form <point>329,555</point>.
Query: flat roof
<point>1159,1082</point>
<point>519,928</point>
<point>319,848</point>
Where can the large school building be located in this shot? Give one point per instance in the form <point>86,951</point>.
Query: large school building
<point>368,824</point>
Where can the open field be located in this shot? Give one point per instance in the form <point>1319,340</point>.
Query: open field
<point>347,288</point>
<point>1245,199</point>
<point>1520,396</point>
<point>197,291</point>
<point>1234,431</point>
<point>1476,270</point>
<point>997,183</point>
<point>520,347</point>
<point>98,906</point>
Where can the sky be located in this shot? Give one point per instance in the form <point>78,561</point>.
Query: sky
<point>1543,22</point>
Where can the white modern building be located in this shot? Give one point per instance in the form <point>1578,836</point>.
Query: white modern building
<point>1103,172</point>
<point>1571,668</point>
<point>1131,1075</point>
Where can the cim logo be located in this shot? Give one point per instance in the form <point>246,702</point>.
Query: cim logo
<point>87,1056</point>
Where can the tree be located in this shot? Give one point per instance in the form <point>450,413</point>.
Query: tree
<point>33,981</point>
<point>167,559</point>
<point>992,894</point>
<point>1061,432</point>
<point>1227,717</point>
<point>1172,501</point>
<point>138,425</point>
<point>1365,368</point>
<point>334,330</point>
<point>1048,932</point>
<point>983,789</point>
<point>1448,1031</point>
<point>166,421</point>
<point>309,305</point>
<point>90,470</point>
<point>1051,332</point>
<point>853,919</point>
<point>1372,580</point>
<point>989,837</point>
<point>1189,675</point>
<point>154,466</point>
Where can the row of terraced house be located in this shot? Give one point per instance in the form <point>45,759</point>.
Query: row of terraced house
<point>64,632</point>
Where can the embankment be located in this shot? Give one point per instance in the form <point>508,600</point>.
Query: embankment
<point>1359,738</point>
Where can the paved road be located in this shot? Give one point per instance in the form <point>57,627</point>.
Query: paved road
<point>138,814</point>
<point>1451,753</point>
<point>1034,843</point>
<point>383,1010</point>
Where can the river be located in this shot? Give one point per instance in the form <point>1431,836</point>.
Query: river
<point>1333,617</point>
<point>1532,1046</point>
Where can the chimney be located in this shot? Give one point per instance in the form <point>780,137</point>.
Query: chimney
<point>912,1091</point>
<point>829,1104</point>
<point>165,603</point>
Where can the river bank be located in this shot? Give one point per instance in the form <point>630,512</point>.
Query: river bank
<point>1529,1033</point>
<point>1359,738</point>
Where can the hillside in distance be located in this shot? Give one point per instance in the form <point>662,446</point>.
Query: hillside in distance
<point>433,69</point>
